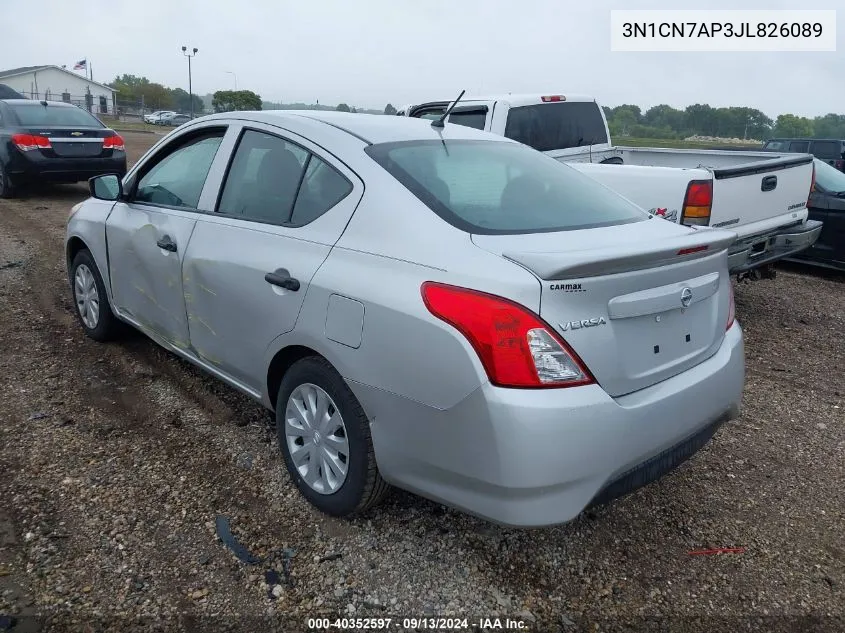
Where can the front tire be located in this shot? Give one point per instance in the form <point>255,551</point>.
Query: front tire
<point>324,436</point>
<point>90,300</point>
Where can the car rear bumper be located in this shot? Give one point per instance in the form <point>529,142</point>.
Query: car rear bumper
<point>753,252</point>
<point>532,458</point>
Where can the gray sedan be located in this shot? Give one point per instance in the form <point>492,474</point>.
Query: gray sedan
<point>439,309</point>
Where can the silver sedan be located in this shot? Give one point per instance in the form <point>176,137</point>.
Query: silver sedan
<point>439,309</point>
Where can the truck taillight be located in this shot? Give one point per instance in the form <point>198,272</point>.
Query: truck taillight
<point>812,185</point>
<point>29,142</point>
<point>553,98</point>
<point>731,307</point>
<point>697,203</point>
<point>515,346</point>
<point>114,142</point>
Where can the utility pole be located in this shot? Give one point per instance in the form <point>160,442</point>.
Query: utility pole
<point>190,87</point>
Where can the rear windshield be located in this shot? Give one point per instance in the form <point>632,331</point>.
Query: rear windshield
<point>495,187</point>
<point>557,125</point>
<point>35,114</point>
<point>829,178</point>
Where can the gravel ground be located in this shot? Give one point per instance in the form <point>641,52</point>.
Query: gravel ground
<point>117,459</point>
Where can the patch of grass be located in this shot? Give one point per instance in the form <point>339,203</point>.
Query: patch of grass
<point>132,125</point>
<point>674,143</point>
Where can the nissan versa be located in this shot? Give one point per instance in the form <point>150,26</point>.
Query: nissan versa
<point>435,308</point>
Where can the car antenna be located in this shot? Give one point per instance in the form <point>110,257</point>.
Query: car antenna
<point>440,122</point>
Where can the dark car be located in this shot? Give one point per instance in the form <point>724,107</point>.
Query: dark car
<point>830,150</point>
<point>827,204</point>
<point>51,141</point>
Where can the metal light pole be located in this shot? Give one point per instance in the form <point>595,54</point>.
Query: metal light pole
<point>229,72</point>
<point>190,88</point>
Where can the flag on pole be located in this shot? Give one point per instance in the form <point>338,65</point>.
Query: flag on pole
<point>81,65</point>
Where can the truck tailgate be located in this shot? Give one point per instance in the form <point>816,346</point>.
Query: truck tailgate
<point>756,191</point>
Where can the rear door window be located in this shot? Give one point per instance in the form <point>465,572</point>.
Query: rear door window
<point>474,117</point>
<point>556,125</point>
<point>826,149</point>
<point>275,181</point>
<point>799,146</point>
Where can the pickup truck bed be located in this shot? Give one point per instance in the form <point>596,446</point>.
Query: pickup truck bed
<point>760,196</point>
<point>754,194</point>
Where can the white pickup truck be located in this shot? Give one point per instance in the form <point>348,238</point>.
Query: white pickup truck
<point>760,196</point>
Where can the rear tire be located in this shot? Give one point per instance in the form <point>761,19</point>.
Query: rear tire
<point>90,300</point>
<point>341,425</point>
<point>7,187</point>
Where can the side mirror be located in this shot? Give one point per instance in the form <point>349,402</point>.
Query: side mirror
<point>106,187</point>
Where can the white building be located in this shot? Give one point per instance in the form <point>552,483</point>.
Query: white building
<point>53,83</point>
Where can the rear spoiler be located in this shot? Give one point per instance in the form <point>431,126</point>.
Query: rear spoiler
<point>617,259</point>
<point>762,166</point>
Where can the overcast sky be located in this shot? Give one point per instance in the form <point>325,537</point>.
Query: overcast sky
<point>371,52</point>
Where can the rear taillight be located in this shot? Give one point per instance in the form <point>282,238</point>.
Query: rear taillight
<point>839,164</point>
<point>731,307</point>
<point>553,98</point>
<point>697,203</point>
<point>516,347</point>
<point>114,142</point>
<point>29,142</point>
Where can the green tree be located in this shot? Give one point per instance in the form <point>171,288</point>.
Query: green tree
<point>701,119</point>
<point>389,109</point>
<point>665,116</point>
<point>790,125</point>
<point>233,100</point>
<point>182,101</point>
<point>131,88</point>
<point>342,107</point>
<point>829,126</point>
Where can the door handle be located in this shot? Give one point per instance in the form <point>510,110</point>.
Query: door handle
<point>167,244</point>
<point>281,278</point>
<point>769,183</point>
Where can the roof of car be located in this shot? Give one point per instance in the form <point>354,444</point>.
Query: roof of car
<point>371,128</point>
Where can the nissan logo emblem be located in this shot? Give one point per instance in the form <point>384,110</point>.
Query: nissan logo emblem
<point>686,297</point>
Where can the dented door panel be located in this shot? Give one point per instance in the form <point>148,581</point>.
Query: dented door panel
<point>146,278</point>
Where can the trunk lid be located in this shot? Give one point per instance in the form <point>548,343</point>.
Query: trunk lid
<point>73,142</point>
<point>635,310</point>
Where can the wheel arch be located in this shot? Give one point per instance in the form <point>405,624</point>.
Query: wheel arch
<point>73,246</point>
<point>281,363</point>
